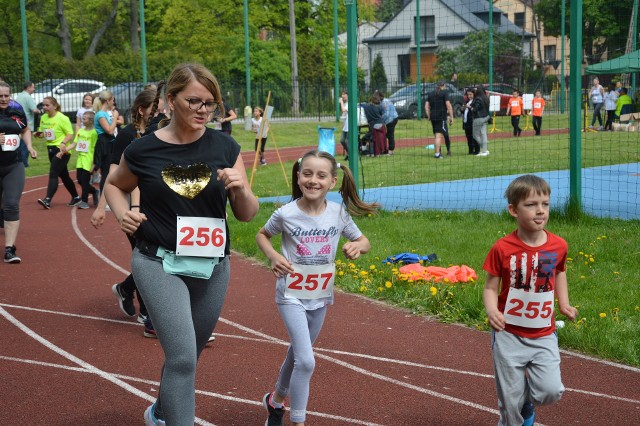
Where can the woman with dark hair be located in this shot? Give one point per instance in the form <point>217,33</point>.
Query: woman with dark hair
<point>480,112</point>
<point>186,174</point>
<point>374,111</point>
<point>13,128</point>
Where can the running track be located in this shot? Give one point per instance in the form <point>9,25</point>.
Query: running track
<point>69,357</point>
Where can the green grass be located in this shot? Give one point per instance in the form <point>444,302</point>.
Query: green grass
<point>606,285</point>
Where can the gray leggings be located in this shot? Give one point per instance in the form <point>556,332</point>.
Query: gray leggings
<point>480,132</point>
<point>11,186</point>
<point>184,312</point>
<point>295,374</point>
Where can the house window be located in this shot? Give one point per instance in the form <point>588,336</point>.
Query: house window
<point>428,29</point>
<point>550,53</point>
<point>404,67</point>
<point>519,19</point>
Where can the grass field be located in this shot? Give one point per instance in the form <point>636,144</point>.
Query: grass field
<point>603,271</point>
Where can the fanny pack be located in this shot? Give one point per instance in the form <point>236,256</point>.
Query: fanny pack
<point>190,266</point>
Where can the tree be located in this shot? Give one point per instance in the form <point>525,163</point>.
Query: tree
<point>604,25</point>
<point>378,75</point>
<point>387,9</point>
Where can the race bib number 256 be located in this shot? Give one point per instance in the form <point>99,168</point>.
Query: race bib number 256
<point>200,236</point>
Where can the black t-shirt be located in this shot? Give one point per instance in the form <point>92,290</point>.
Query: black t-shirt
<point>438,105</point>
<point>158,164</point>
<point>13,121</point>
<point>225,126</point>
<point>125,136</point>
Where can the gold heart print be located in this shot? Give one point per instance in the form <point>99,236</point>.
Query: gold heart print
<point>187,181</point>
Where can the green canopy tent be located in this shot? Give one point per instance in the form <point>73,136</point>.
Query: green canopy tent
<point>628,63</point>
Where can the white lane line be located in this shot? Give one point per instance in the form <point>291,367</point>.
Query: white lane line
<point>601,361</point>
<point>85,365</point>
<point>74,224</point>
<point>199,392</point>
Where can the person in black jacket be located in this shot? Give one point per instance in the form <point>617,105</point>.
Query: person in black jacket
<point>480,112</point>
<point>467,124</point>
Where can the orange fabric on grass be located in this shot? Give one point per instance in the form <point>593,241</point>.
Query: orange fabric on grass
<point>452,274</point>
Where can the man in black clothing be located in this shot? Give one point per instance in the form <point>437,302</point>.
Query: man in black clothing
<point>438,107</point>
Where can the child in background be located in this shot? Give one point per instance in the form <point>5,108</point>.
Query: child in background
<point>85,145</point>
<point>256,122</point>
<point>610,99</point>
<point>536,112</point>
<point>526,271</point>
<point>311,228</point>
<point>515,109</point>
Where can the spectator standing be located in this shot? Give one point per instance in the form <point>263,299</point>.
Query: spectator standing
<point>390,121</point>
<point>597,98</point>
<point>610,99</point>
<point>261,139</point>
<point>374,111</point>
<point>87,105</point>
<point>480,112</point>
<point>515,110</point>
<point>229,116</point>
<point>438,107</point>
<point>14,127</point>
<point>344,137</point>
<point>467,124</point>
<point>537,111</point>
<point>183,302</point>
<point>58,133</point>
<point>623,99</point>
<point>454,80</point>
<point>85,145</point>
<point>25,99</point>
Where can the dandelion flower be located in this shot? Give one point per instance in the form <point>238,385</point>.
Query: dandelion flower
<point>363,289</point>
<point>603,315</point>
<point>433,290</point>
<point>372,267</point>
<point>364,273</point>
<point>341,273</point>
<point>388,284</point>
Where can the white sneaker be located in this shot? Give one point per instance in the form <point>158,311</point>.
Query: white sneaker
<point>211,338</point>
<point>483,154</point>
<point>150,418</point>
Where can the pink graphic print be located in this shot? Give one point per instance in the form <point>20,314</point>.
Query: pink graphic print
<point>302,250</point>
<point>326,249</point>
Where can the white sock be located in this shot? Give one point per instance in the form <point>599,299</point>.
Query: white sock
<point>276,404</point>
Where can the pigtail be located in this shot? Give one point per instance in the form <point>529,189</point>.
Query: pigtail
<point>154,107</point>
<point>296,192</point>
<point>354,204</point>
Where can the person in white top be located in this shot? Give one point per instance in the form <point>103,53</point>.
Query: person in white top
<point>610,99</point>
<point>597,98</point>
<point>311,228</point>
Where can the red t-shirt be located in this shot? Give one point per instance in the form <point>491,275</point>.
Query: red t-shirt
<point>516,106</point>
<point>538,107</point>
<point>514,261</point>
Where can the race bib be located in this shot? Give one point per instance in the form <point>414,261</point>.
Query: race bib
<point>310,281</point>
<point>49,134</point>
<point>514,103</point>
<point>529,309</point>
<point>200,236</point>
<point>537,105</point>
<point>11,142</point>
<point>82,146</point>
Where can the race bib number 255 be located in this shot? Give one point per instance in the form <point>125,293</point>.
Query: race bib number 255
<point>529,309</point>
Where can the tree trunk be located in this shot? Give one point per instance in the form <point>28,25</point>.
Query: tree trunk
<point>134,26</point>
<point>63,33</point>
<point>91,51</point>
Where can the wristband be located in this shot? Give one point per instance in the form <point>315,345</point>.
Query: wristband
<point>134,206</point>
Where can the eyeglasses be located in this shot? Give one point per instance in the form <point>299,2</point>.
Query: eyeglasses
<point>195,105</point>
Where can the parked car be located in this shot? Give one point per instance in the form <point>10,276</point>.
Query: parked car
<point>504,90</point>
<point>406,102</point>
<point>68,93</point>
<point>125,93</point>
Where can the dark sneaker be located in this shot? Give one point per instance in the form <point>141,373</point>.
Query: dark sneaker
<point>150,418</point>
<point>10,255</point>
<point>276,415</point>
<point>126,303</point>
<point>96,197</point>
<point>83,205</point>
<point>528,414</point>
<point>74,201</point>
<point>45,202</point>
<point>149,331</point>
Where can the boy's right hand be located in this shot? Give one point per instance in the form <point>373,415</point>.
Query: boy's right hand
<point>496,320</point>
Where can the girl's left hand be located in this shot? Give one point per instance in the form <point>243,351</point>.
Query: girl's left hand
<point>231,178</point>
<point>351,250</point>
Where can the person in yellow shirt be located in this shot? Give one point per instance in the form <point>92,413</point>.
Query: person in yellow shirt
<point>623,99</point>
<point>58,132</point>
<point>85,145</point>
<point>515,109</point>
<point>536,112</point>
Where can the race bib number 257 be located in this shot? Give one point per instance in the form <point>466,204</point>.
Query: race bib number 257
<point>310,281</point>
